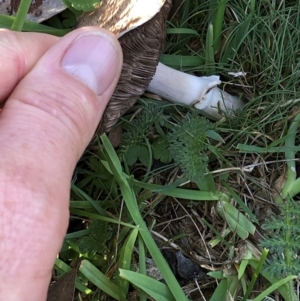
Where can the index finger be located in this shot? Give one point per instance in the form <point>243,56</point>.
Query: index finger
<point>19,52</point>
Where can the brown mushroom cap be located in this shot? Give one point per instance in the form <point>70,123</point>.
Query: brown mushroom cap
<point>121,16</point>
<point>142,39</point>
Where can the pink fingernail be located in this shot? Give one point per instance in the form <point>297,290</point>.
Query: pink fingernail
<point>93,60</point>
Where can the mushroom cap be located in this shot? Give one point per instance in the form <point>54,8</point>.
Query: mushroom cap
<point>39,10</point>
<point>141,28</point>
<point>121,16</point>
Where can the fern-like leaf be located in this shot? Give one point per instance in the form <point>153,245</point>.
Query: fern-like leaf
<point>138,129</point>
<point>283,240</point>
<point>188,145</point>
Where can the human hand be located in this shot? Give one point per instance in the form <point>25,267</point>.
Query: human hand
<point>55,91</point>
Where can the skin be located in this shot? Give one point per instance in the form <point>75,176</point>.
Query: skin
<point>48,118</point>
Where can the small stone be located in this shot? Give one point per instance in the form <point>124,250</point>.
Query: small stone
<point>187,269</point>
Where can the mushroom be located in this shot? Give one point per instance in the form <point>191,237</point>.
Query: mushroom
<point>200,92</point>
<point>141,29</point>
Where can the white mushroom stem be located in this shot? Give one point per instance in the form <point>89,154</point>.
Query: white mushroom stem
<point>200,92</point>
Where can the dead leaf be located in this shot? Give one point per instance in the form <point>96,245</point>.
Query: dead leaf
<point>63,289</point>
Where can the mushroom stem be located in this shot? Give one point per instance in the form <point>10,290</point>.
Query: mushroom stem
<point>200,92</point>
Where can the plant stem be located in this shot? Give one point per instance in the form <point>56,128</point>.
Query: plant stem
<point>218,18</point>
<point>291,186</point>
<point>142,265</point>
<point>21,15</point>
<point>287,248</point>
<point>257,271</point>
<point>210,54</point>
<point>286,290</point>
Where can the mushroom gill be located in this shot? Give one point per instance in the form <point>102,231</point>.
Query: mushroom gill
<point>142,43</point>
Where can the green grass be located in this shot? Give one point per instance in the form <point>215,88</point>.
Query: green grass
<point>141,198</point>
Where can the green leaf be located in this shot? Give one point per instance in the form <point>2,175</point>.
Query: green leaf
<point>215,274</point>
<point>136,134</point>
<point>95,241</point>
<point>220,292</point>
<point>177,61</point>
<point>207,183</point>
<point>209,50</point>
<point>188,145</point>
<point>244,148</point>
<point>161,149</point>
<point>131,203</point>
<point>89,246</point>
<point>125,258</point>
<point>154,288</point>
<point>236,220</point>
<point>115,167</point>
<point>86,5</point>
<point>227,287</point>
<point>89,199</point>
<point>100,231</point>
<point>7,21</point>
<point>234,41</point>
<point>100,280</point>
<point>274,287</point>
<point>182,31</point>
<point>99,217</point>
<point>240,202</point>
<point>217,11</point>
<point>257,271</point>
<point>286,290</point>
<point>214,135</point>
<point>186,194</point>
<point>243,265</point>
<point>135,153</point>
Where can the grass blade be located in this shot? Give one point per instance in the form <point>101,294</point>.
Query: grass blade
<point>236,220</point>
<point>131,203</point>
<point>21,15</point>
<point>154,288</point>
<point>100,280</point>
<point>209,51</point>
<point>125,258</point>
<point>7,21</point>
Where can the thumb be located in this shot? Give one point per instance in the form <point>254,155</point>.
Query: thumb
<point>69,88</point>
<point>44,127</point>
<point>56,108</point>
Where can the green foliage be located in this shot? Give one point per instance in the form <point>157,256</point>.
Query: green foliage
<point>135,153</point>
<point>244,36</point>
<point>161,149</point>
<point>283,240</point>
<point>86,5</point>
<point>135,140</point>
<point>154,288</point>
<point>69,19</point>
<point>93,178</point>
<point>188,145</point>
<point>95,241</point>
<point>238,35</point>
<point>101,280</point>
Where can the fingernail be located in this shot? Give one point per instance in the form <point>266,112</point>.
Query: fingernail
<point>93,60</point>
